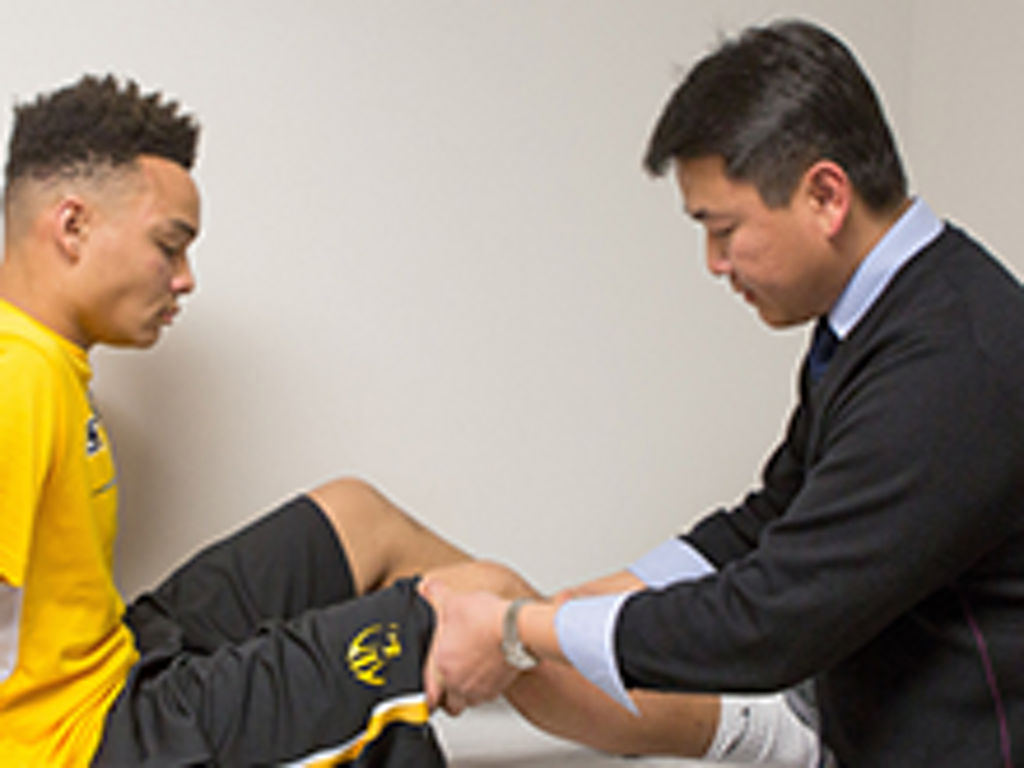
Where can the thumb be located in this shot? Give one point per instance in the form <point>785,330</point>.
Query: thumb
<point>432,590</point>
<point>433,686</point>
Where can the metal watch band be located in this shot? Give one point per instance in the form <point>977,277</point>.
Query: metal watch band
<point>515,652</point>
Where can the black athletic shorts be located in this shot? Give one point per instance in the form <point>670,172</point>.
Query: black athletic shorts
<point>257,652</point>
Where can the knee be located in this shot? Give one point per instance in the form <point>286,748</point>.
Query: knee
<point>353,493</point>
<point>342,489</point>
<point>352,503</point>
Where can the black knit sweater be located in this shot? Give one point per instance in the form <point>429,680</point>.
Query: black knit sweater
<point>884,554</point>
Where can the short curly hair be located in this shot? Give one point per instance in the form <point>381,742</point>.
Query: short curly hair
<point>93,123</point>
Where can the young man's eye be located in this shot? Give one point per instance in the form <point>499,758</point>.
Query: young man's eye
<point>720,233</point>
<point>169,251</point>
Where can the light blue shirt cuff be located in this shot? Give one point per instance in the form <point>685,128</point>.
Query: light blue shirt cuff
<point>586,634</point>
<point>669,562</point>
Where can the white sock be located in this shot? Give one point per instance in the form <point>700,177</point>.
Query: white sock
<point>762,729</point>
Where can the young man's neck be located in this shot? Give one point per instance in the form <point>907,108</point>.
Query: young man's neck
<point>20,288</point>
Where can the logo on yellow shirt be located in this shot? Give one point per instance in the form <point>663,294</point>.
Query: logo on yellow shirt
<point>371,651</point>
<point>93,436</point>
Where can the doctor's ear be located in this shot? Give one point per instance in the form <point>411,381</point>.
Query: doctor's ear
<point>829,191</point>
<point>69,226</point>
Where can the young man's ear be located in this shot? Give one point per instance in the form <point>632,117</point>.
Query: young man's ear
<point>829,193</point>
<point>69,226</point>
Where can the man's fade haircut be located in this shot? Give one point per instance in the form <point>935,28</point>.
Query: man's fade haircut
<point>773,102</point>
<point>96,123</point>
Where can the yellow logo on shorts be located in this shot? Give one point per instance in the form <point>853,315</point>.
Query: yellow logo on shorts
<point>372,650</point>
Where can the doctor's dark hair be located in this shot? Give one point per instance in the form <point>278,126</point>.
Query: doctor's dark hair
<point>95,123</point>
<point>774,101</point>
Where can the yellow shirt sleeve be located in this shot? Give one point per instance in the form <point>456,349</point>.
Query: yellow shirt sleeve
<point>27,424</point>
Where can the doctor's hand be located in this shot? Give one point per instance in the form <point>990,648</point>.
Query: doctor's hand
<point>465,665</point>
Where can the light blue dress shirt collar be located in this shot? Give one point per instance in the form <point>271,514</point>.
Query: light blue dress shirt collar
<point>917,227</point>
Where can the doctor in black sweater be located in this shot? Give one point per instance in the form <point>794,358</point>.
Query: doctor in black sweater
<point>883,555</point>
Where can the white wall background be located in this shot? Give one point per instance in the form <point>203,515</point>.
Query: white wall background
<point>430,257</point>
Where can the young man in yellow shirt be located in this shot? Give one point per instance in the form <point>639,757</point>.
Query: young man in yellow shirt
<point>252,653</point>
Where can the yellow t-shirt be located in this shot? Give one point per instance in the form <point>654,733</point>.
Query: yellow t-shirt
<point>58,521</point>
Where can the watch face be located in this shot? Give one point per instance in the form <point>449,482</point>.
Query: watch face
<point>520,658</point>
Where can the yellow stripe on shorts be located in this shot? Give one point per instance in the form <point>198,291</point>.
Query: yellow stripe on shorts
<point>411,710</point>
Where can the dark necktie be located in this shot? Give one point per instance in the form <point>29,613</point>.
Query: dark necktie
<point>823,346</point>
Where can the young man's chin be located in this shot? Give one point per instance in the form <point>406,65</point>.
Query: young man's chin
<point>143,340</point>
<point>148,341</point>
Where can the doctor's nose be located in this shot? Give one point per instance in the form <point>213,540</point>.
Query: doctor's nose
<point>716,257</point>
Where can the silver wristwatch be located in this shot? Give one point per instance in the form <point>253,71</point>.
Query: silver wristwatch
<point>515,652</point>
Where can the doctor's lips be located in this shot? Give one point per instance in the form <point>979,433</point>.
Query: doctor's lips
<point>741,289</point>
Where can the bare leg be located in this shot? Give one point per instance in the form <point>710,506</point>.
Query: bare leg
<point>559,700</point>
<point>383,544</point>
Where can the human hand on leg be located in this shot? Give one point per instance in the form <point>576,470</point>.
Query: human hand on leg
<point>465,665</point>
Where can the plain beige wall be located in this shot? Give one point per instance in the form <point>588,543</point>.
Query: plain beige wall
<point>430,257</point>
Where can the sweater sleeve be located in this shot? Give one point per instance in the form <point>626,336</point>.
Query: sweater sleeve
<point>911,468</point>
